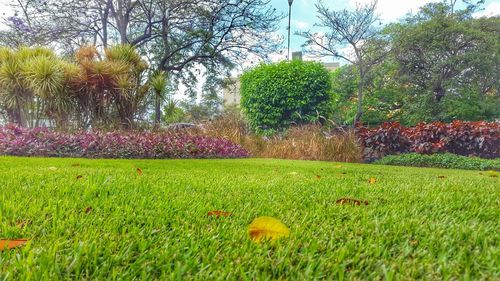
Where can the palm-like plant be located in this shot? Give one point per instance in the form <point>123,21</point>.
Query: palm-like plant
<point>48,78</point>
<point>158,84</point>
<point>110,87</point>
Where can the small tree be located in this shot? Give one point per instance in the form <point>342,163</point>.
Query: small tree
<point>158,83</point>
<point>275,96</point>
<point>348,28</point>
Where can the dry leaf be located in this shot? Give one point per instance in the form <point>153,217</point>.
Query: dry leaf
<point>75,165</point>
<point>345,201</point>
<point>318,177</point>
<point>372,180</point>
<point>79,177</point>
<point>441,177</point>
<point>413,242</point>
<point>88,210</point>
<point>11,243</point>
<point>267,228</point>
<point>218,214</point>
<point>52,168</point>
<point>139,171</point>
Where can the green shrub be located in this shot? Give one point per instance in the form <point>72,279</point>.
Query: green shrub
<point>445,160</point>
<point>274,96</point>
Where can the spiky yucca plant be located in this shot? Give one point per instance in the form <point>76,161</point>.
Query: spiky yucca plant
<point>158,84</point>
<point>44,75</point>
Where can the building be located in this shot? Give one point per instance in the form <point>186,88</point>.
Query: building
<point>231,92</point>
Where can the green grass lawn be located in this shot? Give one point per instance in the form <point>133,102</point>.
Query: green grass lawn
<point>114,224</point>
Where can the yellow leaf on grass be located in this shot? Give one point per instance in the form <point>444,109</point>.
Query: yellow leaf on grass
<point>267,228</point>
<point>492,174</point>
<point>372,180</point>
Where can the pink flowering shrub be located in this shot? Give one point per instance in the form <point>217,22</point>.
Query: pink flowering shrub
<point>42,142</point>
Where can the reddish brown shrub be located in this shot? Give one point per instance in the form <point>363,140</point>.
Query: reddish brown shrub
<point>480,139</point>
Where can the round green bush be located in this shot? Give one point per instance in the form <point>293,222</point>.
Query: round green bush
<point>274,96</point>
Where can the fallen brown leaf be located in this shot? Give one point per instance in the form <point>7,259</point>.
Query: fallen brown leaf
<point>75,165</point>
<point>441,177</point>
<point>372,180</point>
<point>345,201</point>
<point>7,244</point>
<point>318,177</point>
<point>79,177</point>
<point>88,210</point>
<point>139,171</point>
<point>218,214</point>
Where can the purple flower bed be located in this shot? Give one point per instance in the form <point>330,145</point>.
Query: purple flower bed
<point>42,142</point>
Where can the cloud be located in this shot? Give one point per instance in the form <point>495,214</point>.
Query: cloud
<point>300,24</point>
<point>392,10</point>
<point>493,9</point>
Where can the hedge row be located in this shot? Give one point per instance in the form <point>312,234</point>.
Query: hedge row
<point>481,139</point>
<point>44,143</point>
<point>441,160</point>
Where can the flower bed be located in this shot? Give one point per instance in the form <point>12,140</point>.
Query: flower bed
<point>42,142</point>
<point>481,139</point>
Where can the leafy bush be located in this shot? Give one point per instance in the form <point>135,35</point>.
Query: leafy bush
<point>274,96</point>
<point>42,142</point>
<point>446,160</point>
<point>480,139</point>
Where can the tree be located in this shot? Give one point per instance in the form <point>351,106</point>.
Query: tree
<point>158,83</point>
<point>178,36</point>
<point>349,28</point>
<point>442,52</point>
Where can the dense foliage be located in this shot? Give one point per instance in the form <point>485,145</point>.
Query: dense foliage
<point>480,139</point>
<point>274,96</point>
<point>93,89</point>
<point>178,37</point>
<point>42,142</point>
<point>441,65</point>
<point>441,160</point>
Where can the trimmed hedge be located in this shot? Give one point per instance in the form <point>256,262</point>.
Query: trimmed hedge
<point>41,142</point>
<point>481,139</point>
<point>445,160</point>
<point>275,96</point>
